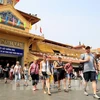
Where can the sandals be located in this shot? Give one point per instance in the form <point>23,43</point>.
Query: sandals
<point>49,93</point>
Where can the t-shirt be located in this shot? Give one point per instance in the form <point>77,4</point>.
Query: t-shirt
<point>88,66</point>
<point>69,68</point>
<point>17,69</point>
<point>34,68</point>
<point>6,69</point>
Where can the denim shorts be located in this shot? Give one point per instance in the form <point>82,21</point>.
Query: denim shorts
<point>45,75</point>
<point>69,75</point>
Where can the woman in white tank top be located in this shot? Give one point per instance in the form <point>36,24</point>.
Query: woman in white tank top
<point>45,72</point>
<point>17,72</point>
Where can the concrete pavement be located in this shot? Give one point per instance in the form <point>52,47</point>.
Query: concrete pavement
<point>9,91</point>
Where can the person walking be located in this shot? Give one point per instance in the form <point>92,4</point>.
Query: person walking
<point>34,72</point>
<point>69,71</point>
<point>61,74</point>
<point>25,70</point>
<point>89,71</point>
<point>17,72</point>
<point>1,71</point>
<point>45,72</point>
<point>11,73</point>
<point>6,70</point>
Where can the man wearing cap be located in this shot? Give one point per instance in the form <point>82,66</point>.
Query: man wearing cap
<point>89,71</point>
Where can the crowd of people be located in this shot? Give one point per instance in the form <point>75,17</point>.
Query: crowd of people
<point>58,70</point>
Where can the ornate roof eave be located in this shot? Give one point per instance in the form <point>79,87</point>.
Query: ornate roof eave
<point>40,56</point>
<point>31,18</point>
<point>18,32</point>
<point>79,47</point>
<point>57,43</point>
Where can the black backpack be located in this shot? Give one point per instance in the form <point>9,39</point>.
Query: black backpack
<point>81,65</point>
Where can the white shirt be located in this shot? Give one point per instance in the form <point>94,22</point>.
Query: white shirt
<point>45,67</point>
<point>17,68</point>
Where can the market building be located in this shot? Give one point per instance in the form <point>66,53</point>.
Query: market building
<point>17,43</point>
<point>15,38</point>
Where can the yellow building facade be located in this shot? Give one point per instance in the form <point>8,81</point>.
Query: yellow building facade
<point>17,43</point>
<point>15,38</point>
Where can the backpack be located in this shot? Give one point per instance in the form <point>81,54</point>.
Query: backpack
<point>81,65</point>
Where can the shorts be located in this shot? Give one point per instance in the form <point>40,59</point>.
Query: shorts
<point>35,79</point>
<point>89,76</point>
<point>45,75</point>
<point>59,75</point>
<point>6,74</point>
<point>69,75</point>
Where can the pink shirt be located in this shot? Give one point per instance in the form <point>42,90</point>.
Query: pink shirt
<point>69,68</point>
<point>34,68</point>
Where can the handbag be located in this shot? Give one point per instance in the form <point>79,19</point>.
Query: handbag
<point>51,78</point>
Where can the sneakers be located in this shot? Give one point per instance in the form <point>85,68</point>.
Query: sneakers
<point>49,93</point>
<point>97,90</point>
<point>86,93</point>
<point>34,89</point>
<point>69,86</point>
<point>65,90</point>
<point>5,82</point>
<point>59,89</point>
<point>96,96</point>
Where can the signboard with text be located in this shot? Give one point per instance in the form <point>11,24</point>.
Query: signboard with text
<point>11,51</point>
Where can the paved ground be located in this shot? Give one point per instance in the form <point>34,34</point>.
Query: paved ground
<point>10,92</point>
